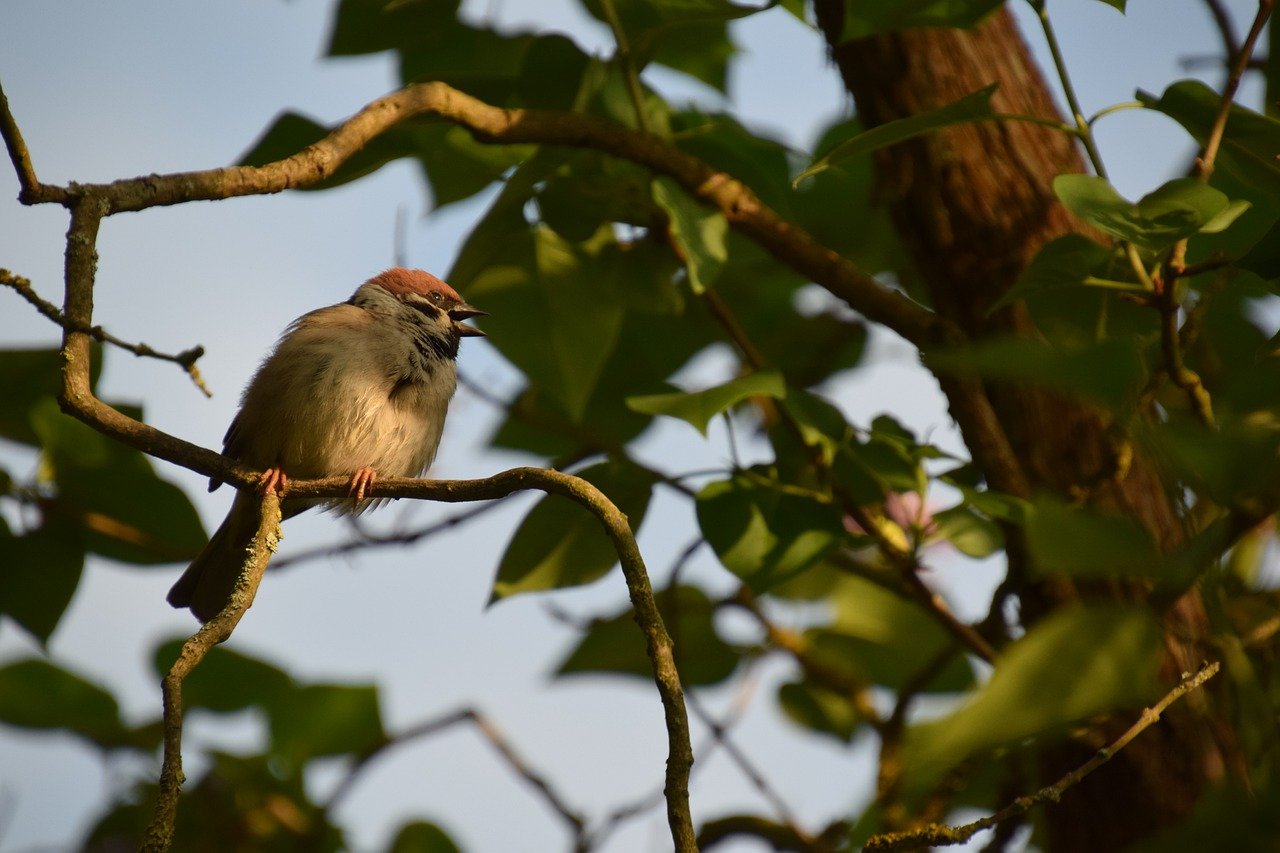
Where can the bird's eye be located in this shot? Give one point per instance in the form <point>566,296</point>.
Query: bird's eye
<point>437,296</point>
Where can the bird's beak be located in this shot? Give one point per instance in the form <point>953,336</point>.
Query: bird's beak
<point>458,313</point>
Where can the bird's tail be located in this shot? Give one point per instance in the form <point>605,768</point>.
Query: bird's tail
<point>207,584</point>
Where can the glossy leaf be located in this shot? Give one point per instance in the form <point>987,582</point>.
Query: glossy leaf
<point>886,638</point>
<point>371,26</point>
<point>1250,144</point>
<point>762,163</point>
<point>326,719</point>
<point>228,680</point>
<point>1064,263</point>
<point>698,230</point>
<point>35,694</point>
<point>841,208</point>
<point>422,837</point>
<point>124,510</point>
<point>1238,460</point>
<point>765,532</point>
<point>1074,664</point>
<point>816,708</point>
<point>686,35</point>
<point>615,644</point>
<point>561,543</point>
<point>27,378</point>
<point>1177,209</point>
<point>866,19</point>
<point>1084,543</point>
<point>39,573</point>
<point>533,278</point>
<point>970,533</point>
<point>699,407</point>
<point>1109,372</point>
<point>974,107</point>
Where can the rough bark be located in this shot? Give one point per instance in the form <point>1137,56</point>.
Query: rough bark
<point>973,204</point>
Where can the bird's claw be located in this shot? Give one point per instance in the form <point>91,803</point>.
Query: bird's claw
<point>273,480</point>
<point>361,481</point>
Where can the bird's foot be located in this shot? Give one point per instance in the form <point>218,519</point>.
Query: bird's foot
<point>274,480</point>
<point>361,481</point>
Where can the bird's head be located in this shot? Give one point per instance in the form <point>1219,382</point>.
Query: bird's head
<point>436,301</point>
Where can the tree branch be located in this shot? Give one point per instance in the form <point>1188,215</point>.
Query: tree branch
<point>490,733</point>
<point>942,836</point>
<point>164,818</point>
<point>18,155</point>
<point>185,359</point>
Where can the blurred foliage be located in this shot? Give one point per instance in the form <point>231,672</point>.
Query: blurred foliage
<point>606,282</point>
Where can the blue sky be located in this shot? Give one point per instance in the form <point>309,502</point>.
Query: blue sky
<point>104,91</point>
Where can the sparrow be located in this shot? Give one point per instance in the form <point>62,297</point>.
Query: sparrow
<point>359,389</point>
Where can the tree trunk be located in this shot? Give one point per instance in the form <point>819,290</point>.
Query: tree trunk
<point>973,204</point>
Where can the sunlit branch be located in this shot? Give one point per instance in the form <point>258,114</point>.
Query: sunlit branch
<point>938,835</point>
<point>160,831</point>
<point>185,359</point>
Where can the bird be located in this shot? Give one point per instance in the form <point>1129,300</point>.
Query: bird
<point>357,389</point>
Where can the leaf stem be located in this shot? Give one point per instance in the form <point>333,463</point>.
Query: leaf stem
<point>624,57</point>
<point>1083,129</point>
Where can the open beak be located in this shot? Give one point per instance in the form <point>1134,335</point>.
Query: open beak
<point>458,313</point>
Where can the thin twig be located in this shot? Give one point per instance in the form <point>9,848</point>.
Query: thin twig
<point>185,359</point>
<point>1226,31</point>
<point>624,56</point>
<point>748,769</point>
<point>1168,302</point>
<point>940,836</point>
<point>160,831</point>
<point>1205,162</point>
<point>491,733</point>
<point>821,672</point>
<point>18,153</point>
<point>403,540</point>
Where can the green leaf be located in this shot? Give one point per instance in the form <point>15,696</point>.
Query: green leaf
<point>885,638</point>
<point>866,19</point>
<point>968,532</point>
<point>35,694</point>
<point>765,532</point>
<point>841,208</point>
<point>316,720</point>
<point>974,107</point>
<point>1118,5</point>
<point>1059,265</point>
<point>126,511</point>
<point>686,35</point>
<point>1110,371</point>
<point>1229,464</point>
<point>456,166</point>
<point>1074,664</point>
<point>698,230</point>
<point>1176,209</point>
<point>371,26</point>
<point>1222,221</point>
<point>422,837</point>
<point>561,543</point>
<point>1083,543</point>
<point>763,164</point>
<point>227,680</point>
<point>699,407</point>
<point>39,573</point>
<point>616,645</point>
<point>29,377</point>
<point>815,707</point>
<point>533,278</point>
<point>1251,141</point>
